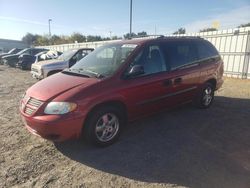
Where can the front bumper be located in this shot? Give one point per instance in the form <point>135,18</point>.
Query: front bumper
<point>37,74</point>
<point>54,127</point>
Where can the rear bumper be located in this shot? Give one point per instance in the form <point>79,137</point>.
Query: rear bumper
<point>55,128</point>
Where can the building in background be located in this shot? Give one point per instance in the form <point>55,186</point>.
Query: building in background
<point>7,44</point>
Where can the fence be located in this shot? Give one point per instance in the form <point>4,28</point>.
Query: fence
<point>233,45</point>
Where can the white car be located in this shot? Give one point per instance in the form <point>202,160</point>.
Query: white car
<point>42,69</point>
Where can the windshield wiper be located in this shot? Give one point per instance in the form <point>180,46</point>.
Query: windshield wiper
<point>96,74</point>
<point>74,72</point>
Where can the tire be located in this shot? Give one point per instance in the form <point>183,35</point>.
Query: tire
<point>205,97</point>
<point>98,132</point>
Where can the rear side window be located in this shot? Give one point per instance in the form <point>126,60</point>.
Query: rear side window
<point>205,49</point>
<point>179,53</point>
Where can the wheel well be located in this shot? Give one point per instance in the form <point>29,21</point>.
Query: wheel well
<point>212,81</point>
<point>121,106</point>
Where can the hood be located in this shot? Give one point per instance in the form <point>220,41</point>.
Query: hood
<point>57,84</point>
<point>10,56</point>
<point>3,54</point>
<point>51,61</point>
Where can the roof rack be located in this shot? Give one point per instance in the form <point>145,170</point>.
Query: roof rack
<point>145,36</point>
<point>179,36</point>
<point>164,36</point>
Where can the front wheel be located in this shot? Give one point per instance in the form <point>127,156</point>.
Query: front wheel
<point>206,96</point>
<point>104,126</point>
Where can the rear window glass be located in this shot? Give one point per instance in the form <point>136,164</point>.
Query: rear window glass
<point>179,53</point>
<point>205,49</point>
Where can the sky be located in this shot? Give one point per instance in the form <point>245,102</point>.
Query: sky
<point>111,17</point>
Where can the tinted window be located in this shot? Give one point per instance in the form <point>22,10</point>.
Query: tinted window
<point>179,53</point>
<point>205,49</point>
<point>36,51</point>
<point>151,58</point>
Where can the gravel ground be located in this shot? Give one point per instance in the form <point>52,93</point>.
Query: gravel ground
<point>184,147</point>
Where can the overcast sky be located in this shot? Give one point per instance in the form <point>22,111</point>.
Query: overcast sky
<point>100,17</point>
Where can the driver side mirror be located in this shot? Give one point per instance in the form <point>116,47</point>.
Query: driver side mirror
<point>135,71</point>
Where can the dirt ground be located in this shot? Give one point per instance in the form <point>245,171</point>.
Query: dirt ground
<point>185,147</point>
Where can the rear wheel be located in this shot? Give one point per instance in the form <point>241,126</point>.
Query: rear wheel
<point>206,96</point>
<point>104,126</point>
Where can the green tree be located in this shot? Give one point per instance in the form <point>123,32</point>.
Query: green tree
<point>208,29</point>
<point>142,34</point>
<point>244,25</point>
<point>77,37</point>
<point>91,38</point>
<point>180,31</point>
<point>41,41</point>
<point>127,35</point>
<point>29,38</point>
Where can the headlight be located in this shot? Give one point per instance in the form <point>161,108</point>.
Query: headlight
<point>59,107</point>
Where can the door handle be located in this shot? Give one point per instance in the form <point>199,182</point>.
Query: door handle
<point>167,83</point>
<point>177,80</point>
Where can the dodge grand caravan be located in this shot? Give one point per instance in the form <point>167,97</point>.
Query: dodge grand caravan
<point>120,82</point>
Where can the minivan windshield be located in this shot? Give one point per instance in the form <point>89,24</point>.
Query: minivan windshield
<point>67,55</point>
<point>104,60</point>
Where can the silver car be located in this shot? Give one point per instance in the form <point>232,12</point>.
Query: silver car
<point>42,69</point>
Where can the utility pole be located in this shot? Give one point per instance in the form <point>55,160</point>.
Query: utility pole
<point>49,27</point>
<point>130,32</point>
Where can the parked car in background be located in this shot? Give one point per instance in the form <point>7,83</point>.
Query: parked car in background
<point>44,69</point>
<point>25,61</point>
<point>11,60</point>
<point>52,54</point>
<point>120,82</point>
<point>12,51</point>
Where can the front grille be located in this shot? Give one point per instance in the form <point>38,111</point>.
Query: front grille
<point>29,110</point>
<point>34,102</point>
<point>34,70</point>
<point>32,105</point>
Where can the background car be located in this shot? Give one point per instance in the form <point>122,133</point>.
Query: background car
<point>25,61</point>
<point>44,69</point>
<point>12,51</point>
<point>11,60</point>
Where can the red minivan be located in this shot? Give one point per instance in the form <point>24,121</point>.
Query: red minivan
<point>120,82</point>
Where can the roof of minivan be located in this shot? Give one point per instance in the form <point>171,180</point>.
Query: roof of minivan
<point>145,40</point>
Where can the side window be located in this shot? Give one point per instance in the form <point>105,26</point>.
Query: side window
<point>35,51</point>
<point>205,50</point>
<point>179,53</point>
<point>152,60</point>
<point>107,53</point>
<point>79,55</point>
<point>28,52</point>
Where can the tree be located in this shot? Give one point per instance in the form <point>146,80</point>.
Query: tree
<point>91,38</point>
<point>41,41</point>
<point>244,25</point>
<point>29,38</point>
<point>55,39</point>
<point>127,35</point>
<point>77,37</point>
<point>208,29</point>
<point>180,31</point>
<point>142,34</point>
